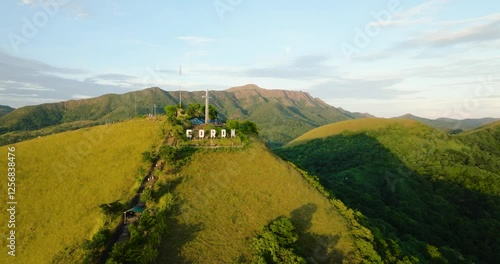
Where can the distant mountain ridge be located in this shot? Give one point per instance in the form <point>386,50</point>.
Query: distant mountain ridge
<point>452,125</point>
<point>282,115</point>
<point>5,109</point>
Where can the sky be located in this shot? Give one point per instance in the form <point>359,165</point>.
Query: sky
<point>437,58</point>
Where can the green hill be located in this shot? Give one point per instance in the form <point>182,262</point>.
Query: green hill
<point>62,179</point>
<point>4,109</point>
<point>227,197</point>
<point>426,195</point>
<point>350,125</point>
<point>282,115</point>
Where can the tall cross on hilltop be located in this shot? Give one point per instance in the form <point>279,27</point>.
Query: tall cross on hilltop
<point>206,107</point>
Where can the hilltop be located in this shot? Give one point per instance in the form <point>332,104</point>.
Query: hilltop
<point>350,125</point>
<point>428,196</point>
<point>227,197</point>
<point>282,115</point>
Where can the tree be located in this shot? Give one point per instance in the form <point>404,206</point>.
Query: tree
<point>171,111</point>
<point>276,243</point>
<point>167,152</point>
<point>194,110</point>
<point>212,112</point>
<point>245,127</point>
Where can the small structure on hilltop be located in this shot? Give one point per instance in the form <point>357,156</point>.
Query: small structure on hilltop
<point>132,214</point>
<point>196,121</point>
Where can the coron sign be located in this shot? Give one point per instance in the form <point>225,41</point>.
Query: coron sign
<point>213,133</point>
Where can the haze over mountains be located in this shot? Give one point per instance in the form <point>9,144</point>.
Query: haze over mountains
<point>450,124</point>
<point>274,111</point>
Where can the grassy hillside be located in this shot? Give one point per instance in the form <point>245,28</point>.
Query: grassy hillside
<point>61,181</point>
<point>227,197</point>
<point>350,125</point>
<point>282,115</point>
<point>426,195</point>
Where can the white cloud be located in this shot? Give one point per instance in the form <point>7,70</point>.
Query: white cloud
<point>470,21</point>
<point>192,40</point>
<point>114,77</point>
<point>29,2</point>
<point>416,15</point>
<point>37,89</point>
<point>81,96</point>
<point>422,9</point>
<point>20,95</point>
<point>472,34</point>
<point>302,67</point>
<point>359,88</point>
<point>27,86</point>
<point>19,76</point>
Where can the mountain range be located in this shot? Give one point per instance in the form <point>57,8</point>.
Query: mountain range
<point>450,124</point>
<point>356,190</point>
<point>280,114</point>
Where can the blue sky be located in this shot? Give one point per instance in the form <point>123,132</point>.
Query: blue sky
<point>438,58</point>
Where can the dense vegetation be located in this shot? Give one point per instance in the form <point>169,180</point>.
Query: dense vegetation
<point>425,195</point>
<point>277,243</point>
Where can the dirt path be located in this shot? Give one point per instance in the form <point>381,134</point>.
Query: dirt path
<point>121,233</point>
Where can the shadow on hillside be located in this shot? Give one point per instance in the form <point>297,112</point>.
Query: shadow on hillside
<point>315,247</point>
<point>182,156</point>
<point>179,233</point>
<point>406,211</point>
<point>165,187</point>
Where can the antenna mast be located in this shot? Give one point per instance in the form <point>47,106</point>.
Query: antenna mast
<point>206,107</point>
<point>180,87</point>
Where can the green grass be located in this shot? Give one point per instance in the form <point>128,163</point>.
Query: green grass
<point>61,181</point>
<point>425,194</point>
<point>226,197</point>
<point>18,136</point>
<point>349,125</point>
